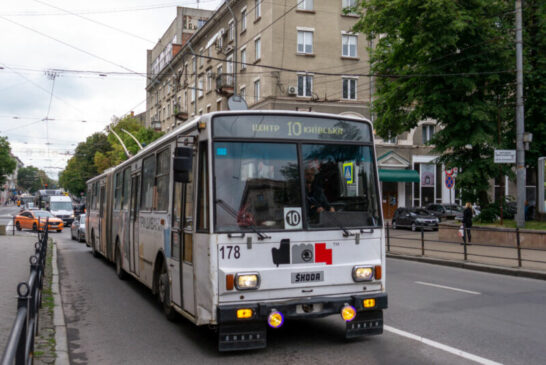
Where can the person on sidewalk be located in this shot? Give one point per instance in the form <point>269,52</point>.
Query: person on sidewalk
<point>467,221</point>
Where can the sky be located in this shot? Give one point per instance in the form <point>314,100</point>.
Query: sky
<point>49,101</point>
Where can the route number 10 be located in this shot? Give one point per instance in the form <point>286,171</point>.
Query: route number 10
<point>294,128</point>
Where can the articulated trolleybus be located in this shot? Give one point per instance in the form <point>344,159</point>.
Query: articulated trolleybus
<point>242,220</point>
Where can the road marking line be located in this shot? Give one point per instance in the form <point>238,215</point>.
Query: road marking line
<point>448,287</point>
<point>441,346</point>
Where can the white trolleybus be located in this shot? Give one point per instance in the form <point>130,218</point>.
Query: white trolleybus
<point>243,220</point>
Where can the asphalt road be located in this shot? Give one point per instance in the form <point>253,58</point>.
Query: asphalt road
<point>498,318</point>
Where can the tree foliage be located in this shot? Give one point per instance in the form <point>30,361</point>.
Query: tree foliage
<point>7,162</point>
<point>101,151</point>
<point>29,179</point>
<point>448,61</point>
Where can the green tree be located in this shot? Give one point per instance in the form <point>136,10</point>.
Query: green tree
<point>452,62</point>
<point>81,166</point>
<point>29,179</point>
<point>7,162</point>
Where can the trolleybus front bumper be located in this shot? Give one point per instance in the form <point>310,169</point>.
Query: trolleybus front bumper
<point>250,333</point>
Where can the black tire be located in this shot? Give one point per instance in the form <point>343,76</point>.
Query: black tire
<point>18,226</point>
<point>80,239</point>
<point>93,249</point>
<point>164,294</point>
<point>121,274</point>
<point>72,236</point>
<point>34,227</point>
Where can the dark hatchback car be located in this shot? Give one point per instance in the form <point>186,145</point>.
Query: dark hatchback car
<point>446,211</point>
<point>414,218</point>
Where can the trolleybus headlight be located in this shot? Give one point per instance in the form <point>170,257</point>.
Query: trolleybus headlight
<point>275,319</point>
<point>245,281</point>
<point>348,312</point>
<point>362,273</point>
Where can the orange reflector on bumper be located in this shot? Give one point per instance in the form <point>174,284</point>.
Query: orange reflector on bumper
<point>229,282</point>
<point>275,319</point>
<point>368,303</point>
<point>244,313</point>
<point>348,313</point>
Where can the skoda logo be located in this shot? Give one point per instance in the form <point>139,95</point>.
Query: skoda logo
<point>306,255</point>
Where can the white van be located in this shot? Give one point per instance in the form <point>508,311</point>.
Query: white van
<point>61,207</point>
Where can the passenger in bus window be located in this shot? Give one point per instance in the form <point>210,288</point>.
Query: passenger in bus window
<point>316,199</point>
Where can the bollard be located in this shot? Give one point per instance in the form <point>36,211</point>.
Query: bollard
<point>464,242</point>
<point>422,241</point>
<point>518,246</point>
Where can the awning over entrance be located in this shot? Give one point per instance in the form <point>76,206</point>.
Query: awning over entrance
<point>399,176</point>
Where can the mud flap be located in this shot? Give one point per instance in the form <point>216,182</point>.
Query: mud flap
<point>366,323</point>
<point>242,336</point>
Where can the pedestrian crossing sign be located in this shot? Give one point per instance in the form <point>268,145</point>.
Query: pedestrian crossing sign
<point>348,172</point>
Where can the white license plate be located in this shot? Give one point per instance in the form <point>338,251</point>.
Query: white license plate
<point>307,277</point>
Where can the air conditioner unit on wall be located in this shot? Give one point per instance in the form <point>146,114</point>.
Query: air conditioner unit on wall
<point>292,90</point>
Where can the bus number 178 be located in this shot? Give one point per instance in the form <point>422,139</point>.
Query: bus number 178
<point>228,252</point>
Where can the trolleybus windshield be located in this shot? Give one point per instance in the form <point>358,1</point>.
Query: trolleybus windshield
<point>294,185</point>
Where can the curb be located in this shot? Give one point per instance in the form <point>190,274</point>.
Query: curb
<point>473,266</point>
<point>61,341</point>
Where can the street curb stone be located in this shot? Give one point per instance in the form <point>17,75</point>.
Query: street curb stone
<point>473,266</point>
<point>61,341</point>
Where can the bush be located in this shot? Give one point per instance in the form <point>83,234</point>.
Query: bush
<point>491,213</point>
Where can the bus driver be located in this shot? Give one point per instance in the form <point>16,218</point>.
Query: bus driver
<point>316,199</point>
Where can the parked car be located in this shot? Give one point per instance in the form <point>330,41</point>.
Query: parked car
<point>77,229</point>
<point>414,218</point>
<point>36,220</point>
<point>445,211</point>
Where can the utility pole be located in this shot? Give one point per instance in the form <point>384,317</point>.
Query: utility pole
<point>520,126</point>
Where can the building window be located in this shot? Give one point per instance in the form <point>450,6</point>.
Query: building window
<point>201,22</point>
<point>305,42</point>
<point>208,108</point>
<point>349,89</point>
<point>258,47</point>
<point>428,132</point>
<point>243,59</point>
<point>242,93</point>
<point>305,4</point>
<point>201,58</point>
<point>231,32</point>
<point>348,3</point>
<point>256,90</point>
<point>348,45</point>
<point>258,9</point>
<point>209,80</point>
<point>192,93</point>
<point>200,87</point>
<point>243,20</point>
<point>194,65</point>
<point>305,85</point>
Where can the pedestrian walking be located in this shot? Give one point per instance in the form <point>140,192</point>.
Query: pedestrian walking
<point>468,213</point>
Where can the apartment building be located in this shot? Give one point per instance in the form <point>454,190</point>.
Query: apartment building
<point>286,55</point>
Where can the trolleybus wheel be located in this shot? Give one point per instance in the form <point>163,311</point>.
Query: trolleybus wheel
<point>122,275</point>
<point>164,293</point>
<point>93,249</point>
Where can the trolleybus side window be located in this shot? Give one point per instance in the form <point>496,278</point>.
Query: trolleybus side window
<point>148,177</point>
<point>162,179</point>
<point>126,187</point>
<point>117,194</point>
<point>202,190</point>
<point>177,217</point>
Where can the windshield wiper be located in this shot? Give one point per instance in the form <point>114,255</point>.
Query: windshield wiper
<point>234,214</point>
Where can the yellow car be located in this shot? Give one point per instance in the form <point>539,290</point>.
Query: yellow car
<point>36,220</point>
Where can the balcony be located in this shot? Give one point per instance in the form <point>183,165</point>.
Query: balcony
<point>225,84</point>
<point>179,113</point>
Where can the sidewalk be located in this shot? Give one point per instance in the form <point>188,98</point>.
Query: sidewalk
<point>14,268</point>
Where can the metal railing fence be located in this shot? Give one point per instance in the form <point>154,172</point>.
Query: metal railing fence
<point>516,247</point>
<point>20,346</point>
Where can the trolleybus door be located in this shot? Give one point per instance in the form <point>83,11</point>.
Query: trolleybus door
<point>133,225</point>
<point>176,243</point>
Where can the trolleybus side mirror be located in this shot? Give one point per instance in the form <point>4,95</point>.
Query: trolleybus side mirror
<point>182,164</point>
